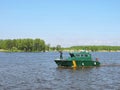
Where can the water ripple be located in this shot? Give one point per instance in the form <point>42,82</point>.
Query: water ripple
<point>38,71</point>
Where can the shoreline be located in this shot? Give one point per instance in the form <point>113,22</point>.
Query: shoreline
<point>3,50</point>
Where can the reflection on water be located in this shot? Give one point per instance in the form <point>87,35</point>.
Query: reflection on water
<point>38,71</point>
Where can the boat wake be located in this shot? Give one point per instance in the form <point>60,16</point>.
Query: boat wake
<point>110,65</point>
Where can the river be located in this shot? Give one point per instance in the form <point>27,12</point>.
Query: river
<point>38,71</point>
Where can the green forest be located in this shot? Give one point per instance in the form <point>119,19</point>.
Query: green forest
<point>94,48</point>
<point>39,45</point>
<point>26,45</point>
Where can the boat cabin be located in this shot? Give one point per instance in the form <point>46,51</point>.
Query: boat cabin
<point>80,56</point>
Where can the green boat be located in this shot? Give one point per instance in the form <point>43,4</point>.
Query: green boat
<point>77,59</point>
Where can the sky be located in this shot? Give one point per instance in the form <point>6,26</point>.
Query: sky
<point>62,22</point>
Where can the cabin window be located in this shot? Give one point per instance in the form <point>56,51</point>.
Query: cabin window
<point>86,55</point>
<point>78,55</point>
<point>72,55</point>
<point>82,55</point>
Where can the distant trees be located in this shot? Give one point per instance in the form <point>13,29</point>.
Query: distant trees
<point>27,45</point>
<point>47,48</point>
<point>57,48</point>
<point>95,48</point>
<point>38,45</point>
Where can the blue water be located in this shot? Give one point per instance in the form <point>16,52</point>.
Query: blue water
<point>38,71</point>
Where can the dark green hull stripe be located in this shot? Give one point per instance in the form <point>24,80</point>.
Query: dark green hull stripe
<point>67,63</point>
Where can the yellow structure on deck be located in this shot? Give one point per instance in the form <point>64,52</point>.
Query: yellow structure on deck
<point>74,63</point>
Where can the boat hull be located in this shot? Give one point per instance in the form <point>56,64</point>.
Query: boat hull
<point>76,63</point>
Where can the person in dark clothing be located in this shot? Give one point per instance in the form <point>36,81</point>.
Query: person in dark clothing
<point>61,57</point>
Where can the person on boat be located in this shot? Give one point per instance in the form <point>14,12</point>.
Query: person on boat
<point>61,57</point>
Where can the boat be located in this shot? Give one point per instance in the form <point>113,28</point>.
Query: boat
<point>77,59</point>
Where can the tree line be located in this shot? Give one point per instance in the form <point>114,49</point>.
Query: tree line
<point>39,45</point>
<point>23,45</point>
<point>94,48</point>
<point>27,45</point>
